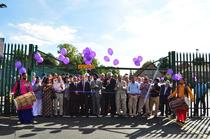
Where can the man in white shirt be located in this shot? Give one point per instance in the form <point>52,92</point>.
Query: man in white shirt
<point>59,87</point>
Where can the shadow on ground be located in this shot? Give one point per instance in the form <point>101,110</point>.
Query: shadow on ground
<point>140,127</point>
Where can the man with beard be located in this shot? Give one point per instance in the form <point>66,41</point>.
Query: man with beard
<point>22,87</point>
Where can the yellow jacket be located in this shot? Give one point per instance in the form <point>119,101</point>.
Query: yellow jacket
<point>181,92</point>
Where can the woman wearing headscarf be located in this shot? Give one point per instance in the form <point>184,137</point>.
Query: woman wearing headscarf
<point>182,90</point>
<point>22,87</point>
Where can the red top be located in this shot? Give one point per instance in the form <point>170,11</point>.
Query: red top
<point>25,87</point>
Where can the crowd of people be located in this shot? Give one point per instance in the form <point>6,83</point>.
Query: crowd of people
<point>99,95</point>
<point>86,95</point>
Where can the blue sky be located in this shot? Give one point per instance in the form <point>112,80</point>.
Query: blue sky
<point>149,28</point>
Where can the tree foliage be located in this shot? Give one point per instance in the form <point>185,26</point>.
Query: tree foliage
<point>146,64</point>
<point>164,63</point>
<point>49,60</point>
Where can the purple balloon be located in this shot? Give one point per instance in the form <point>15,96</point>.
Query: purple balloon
<point>22,70</point>
<point>170,71</point>
<point>18,64</point>
<point>134,59</point>
<point>66,60</point>
<point>137,63</point>
<point>116,62</point>
<point>40,60</point>
<point>87,57</point>
<point>140,58</point>
<point>110,51</point>
<point>106,58</point>
<point>87,51</point>
<point>177,77</point>
<point>61,57</point>
<point>93,54</point>
<point>174,77</point>
<point>37,56</point>
<point>88,62</point>
<point>63,51</point>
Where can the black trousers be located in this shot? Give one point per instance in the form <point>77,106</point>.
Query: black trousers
<point>164,105</point>
<point>108,103</point>
<point>202,100</point>
<point>74,104</point>
<point>85,103</point>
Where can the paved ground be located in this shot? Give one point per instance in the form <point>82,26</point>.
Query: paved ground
<point>104,128</point>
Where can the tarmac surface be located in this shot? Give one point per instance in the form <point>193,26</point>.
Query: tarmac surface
<point>104,128</point>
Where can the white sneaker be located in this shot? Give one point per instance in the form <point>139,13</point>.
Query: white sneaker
<point>35,122</point>
<point>18,122</point>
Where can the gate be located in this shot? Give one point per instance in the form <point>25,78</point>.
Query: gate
<point>8,73</point>
<point>195,68</point>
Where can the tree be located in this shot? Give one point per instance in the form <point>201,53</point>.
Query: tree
<point>147,64</point>
<point>164,63</point>
<point>49,60</point>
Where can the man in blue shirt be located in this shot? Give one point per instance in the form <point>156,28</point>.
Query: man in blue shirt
<point>133,92</point>
<point>200,91</point>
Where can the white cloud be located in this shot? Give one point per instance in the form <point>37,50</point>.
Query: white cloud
<point>43,34</point>
<point>178,25</point>
<point>107,37</point>
<point>143,29</point>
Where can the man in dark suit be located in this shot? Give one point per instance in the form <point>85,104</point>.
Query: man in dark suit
<point>165,91</point>
<point>85,91</point>
<point>110,88</point>
<point>74,97</point>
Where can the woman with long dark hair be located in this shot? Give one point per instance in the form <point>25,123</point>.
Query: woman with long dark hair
<point>47,103</point>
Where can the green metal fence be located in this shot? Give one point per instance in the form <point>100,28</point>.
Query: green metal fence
<point>9,74</point>
<point>195,67</point>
